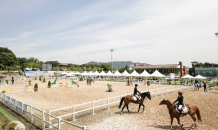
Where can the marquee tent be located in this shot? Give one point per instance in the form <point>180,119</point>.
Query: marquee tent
<point>134,73</point>
<point>96,73</point>
<point>125,73</point>
<point>109,73</point>
<point>90,73</point>
<point>84,73</point>
<point>199,77</point>
<point>102,73</point>
<point>187,77</point>
<point>156,73</point>
<point>145,74</point>
<point>117,73</point>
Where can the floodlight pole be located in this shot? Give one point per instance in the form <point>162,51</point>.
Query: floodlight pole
<point>112,59</point>
<point>216,34</point>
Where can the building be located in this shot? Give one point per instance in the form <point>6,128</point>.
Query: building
<point>204,69</point>
<point>177,69</point>
<point>63,65</point>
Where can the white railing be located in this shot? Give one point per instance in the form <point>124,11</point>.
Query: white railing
<point>24,109</point>
<point>154,92</point>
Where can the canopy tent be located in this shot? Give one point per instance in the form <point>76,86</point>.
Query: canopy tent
<point>90,73</point>
<point>84,73</point>
<point>199,77</point>
<point>102,73</point>
<point>125,73</point>
<point>187,77</point>
<point>109,73</point>
<point>117,73</point>
<point>69,74</point>
<point>96,73</point>
<point>156,73</point>
<point>64,73</point>
<point>77,73</point>
<point>145,74</point>
<point>134,73</point>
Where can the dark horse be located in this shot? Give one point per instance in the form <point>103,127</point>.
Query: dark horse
<point>192,110</point>
<point>127,99</point>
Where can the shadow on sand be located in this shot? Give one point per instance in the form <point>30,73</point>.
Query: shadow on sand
<point>167,127</point>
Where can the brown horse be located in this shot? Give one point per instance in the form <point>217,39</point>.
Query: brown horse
<point>127,99</point>
<point>192,110</point>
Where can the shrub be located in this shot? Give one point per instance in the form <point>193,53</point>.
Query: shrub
<point>40,79</point>
<point>35,78</point>
<point>128,82</point>
<point>21,73</point>
<point>6,81</point>
<point>81,79</point>
<point>109,87</point>
<point>44,80</point>
<point>148,83</point>
<point>36,86</point>
<point>3,91</point>
<point>49,83</point>
<point>30,83</point>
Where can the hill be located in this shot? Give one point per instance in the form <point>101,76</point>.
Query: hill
<point>118,64</point>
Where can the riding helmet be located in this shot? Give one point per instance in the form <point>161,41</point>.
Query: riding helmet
<point>180,92</point>
<point>136,85</point>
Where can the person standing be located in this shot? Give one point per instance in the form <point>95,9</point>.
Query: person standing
<point>205,86</point>
<point>12,80</point>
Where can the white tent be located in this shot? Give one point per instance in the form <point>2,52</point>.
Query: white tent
<point>102,73</point>
<point>199,77</point>
<point>96,73</point>
<point>187,77</point>
<point>84,73</point>
<point>90,73</point>
<point>117,73</point>
<point>109,73</point>
<point>64,73</point>
<point>134,73</point>
<point>125,73</point>
<point>156,73</point>
<point>145,74</point>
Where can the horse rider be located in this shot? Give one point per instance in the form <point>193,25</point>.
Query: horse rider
<point>135,93</point>
<point>180,103</point>
<point>204,85</point>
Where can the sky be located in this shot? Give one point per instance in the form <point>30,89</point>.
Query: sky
<point>72,31</point>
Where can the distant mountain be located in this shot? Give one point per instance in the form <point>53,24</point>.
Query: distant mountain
<point>118,64</point>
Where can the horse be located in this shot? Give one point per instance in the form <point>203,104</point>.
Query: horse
<point>196,86</point>
<point>127,99</point>
<point>192,110</point>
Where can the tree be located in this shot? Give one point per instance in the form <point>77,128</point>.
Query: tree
<point>125,68</point>
<point>106,66</point>
<point>7,57</point>
<point>54,63</point>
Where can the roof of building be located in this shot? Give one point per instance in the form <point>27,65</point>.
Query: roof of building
<point>156,66</point>
<point>63,64</point>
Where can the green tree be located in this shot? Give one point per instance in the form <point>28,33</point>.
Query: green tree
<point>54,63</point>
<point>125,68</point>
<point>106,67</point>
<point>7,57</point>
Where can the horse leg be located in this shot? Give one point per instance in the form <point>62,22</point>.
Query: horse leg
<point>123,108</point>
<point>194,119</point>
<point>139,107</point>
<point>171,127</point>
<point>127,106</point>
<point>143,107</point>
<point>179,122</point>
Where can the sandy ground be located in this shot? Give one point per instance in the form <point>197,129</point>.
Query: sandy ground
<point>54,98</point>
<point>154,116</point>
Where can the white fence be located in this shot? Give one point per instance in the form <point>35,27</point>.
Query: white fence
<point>154,92</point>
<point>25,109</point>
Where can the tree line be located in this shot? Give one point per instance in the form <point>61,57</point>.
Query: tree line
<point>9,61</point>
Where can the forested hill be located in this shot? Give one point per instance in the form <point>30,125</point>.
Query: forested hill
<point>118,64</point>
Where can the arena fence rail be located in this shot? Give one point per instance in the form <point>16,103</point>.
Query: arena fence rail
<point>24,110</point>
<point>154,92</point>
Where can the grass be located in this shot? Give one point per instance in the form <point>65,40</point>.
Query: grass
<point>7,115</point>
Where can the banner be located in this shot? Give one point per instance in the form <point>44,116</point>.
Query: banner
<point>172,75</point>
<point>36,71</point>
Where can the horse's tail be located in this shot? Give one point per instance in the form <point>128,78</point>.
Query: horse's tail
<point>121,102</point>
<point>198,114</point>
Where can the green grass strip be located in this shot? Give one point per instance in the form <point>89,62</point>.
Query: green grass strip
<point>7,115</point>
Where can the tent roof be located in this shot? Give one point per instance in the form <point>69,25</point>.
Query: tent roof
<point>125,73</point>
<point>187,77</point>
<point>156,73</point>
<point>199,77</point>
<point>117,73</point>
<point>96,73</point>
<point>102,73</point>
<point>109,73</point>
<point>145,74</point>
<point>134,73</point>
<point>84,73</point>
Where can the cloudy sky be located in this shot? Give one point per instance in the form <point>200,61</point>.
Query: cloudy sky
<point>79,31</point>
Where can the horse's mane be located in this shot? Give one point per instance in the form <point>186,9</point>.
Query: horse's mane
<point>142,94</point>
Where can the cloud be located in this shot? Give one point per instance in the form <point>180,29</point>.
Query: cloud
<point>155,32</point>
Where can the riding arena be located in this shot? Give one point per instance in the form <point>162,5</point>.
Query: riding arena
<point>91,106</point>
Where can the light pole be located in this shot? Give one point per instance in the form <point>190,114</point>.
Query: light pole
<point>111,59</point>
<point>216,34</point>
